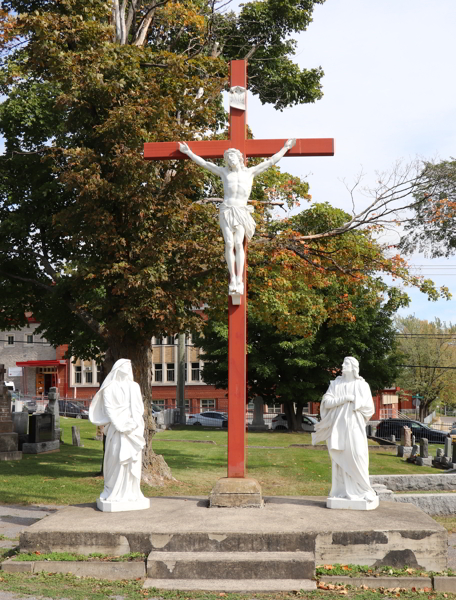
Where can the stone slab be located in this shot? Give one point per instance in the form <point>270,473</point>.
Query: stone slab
<point>232,585</point>
<point>11,455</point>
<point>431,504</point>
<point>395,532</point>
<point>8,442</point>
<point>98,569</point>
<point>112,507</point>
<point>376,582</point>
<point>237,492</point>
<point>445,584</point>
<point>345,504</point>
<point>231,565</point>
<point>404,483</point>
<point>37,448</point>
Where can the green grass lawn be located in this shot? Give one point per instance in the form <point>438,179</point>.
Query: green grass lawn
<point>72,475</point>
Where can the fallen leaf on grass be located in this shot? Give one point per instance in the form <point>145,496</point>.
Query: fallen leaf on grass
<point>343,592</point>
<point>427,589</point>
<point>410,571</point>
<point>345,568</point>
<point>328,567</point>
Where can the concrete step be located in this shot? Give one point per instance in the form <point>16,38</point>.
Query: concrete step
<point>232,585</point>
<point>6,427</point>
<point>231,565</point>
<point>234,541</point>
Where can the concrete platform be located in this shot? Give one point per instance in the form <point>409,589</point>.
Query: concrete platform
<point>395,534</point>
<point>232,585</point>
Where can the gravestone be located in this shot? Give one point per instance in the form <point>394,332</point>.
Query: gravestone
<point>41,435</point>
<point>258,418</point>
<point>405,449</point>
<point>20,425</point>
<point>413,453</point>
<point>424,448</point>
<point>424,460</point>
<point>9,439</point>
<point>449,447</point>
<point>76,435</point>
<point>53,409</point>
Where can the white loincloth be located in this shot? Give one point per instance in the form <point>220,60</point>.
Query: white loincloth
<point>233,216</point>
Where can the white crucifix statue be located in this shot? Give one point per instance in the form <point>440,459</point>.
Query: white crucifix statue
<point>235,216</point>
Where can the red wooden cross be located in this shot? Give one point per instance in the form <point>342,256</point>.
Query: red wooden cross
<point>237,314</point>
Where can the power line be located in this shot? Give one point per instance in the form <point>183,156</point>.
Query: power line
<point>425,367</point>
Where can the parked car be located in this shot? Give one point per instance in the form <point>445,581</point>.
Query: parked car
<point>155,410</point>
<point>390,427</point>
<point>280,422</point>
<point>71,409</point>
<point>209,419</point>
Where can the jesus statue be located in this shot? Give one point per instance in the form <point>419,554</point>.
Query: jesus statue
<point>234,215</point>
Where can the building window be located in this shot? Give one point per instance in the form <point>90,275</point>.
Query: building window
<point>207,404</point>
<point>99,373</point>
<point>158,341</point>
<point>170,371</point>
<point>159,403</point>
<point>29,339</point>
<point>10,340</point>
<point>170,340</point>
<point>158,369</point>
<point>195,371</point>
<point>187,406</point>
<point>88,376</point>
<point>78,374</point>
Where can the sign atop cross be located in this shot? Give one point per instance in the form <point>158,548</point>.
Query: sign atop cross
<point>237,313</point>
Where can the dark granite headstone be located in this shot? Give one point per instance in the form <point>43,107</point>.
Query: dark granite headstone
<point>41,428</point>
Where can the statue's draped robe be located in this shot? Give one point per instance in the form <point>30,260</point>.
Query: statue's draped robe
<point>343,427</point>
<point>120,405</point>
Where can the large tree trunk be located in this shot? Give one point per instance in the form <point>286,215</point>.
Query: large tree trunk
<point>155,470</point>
<point>294,418</point>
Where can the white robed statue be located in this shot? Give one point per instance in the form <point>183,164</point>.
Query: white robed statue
<point>345,409</point>
<point>119,407</point>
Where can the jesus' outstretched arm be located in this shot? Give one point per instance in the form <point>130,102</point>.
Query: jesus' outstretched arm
<point>274,159</point>
<point>183,147</point>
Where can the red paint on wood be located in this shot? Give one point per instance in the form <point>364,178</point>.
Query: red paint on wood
<point>237,377</point>
<point>255,148</point>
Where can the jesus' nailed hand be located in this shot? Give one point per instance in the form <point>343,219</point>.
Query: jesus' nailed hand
<point>235,216</point>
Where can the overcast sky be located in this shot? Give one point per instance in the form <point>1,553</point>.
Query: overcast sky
<point>389,94</point>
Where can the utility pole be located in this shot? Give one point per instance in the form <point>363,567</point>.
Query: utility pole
<point>181,360</point>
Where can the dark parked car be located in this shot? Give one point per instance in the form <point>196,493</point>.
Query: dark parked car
<point>71,409</point>
<point>394,427</point>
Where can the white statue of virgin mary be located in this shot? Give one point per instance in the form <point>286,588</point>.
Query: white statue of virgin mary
<point>119,407</point>
<point>345,409</point>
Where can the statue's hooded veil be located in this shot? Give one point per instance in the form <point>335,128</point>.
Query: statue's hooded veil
<point>97,413</point>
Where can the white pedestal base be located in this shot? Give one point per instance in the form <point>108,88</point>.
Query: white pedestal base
<point>107,506</point>
<point>346,504</point>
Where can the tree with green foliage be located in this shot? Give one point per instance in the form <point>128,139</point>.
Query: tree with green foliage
<point>108,250</point>
<point>293,365</point>
<point>429,350</point>
<point>432,228</point>
<point>104,248</point>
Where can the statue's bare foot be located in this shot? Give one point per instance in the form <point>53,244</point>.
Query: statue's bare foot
<point>232,288</point>
<point>240,288</point>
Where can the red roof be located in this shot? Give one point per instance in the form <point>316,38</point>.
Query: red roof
<point>40,363</point>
